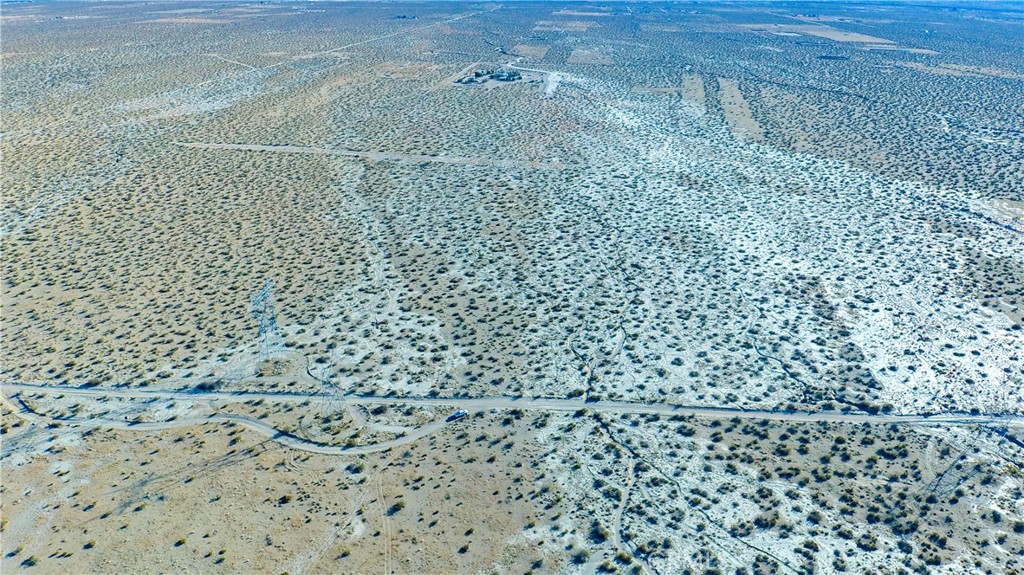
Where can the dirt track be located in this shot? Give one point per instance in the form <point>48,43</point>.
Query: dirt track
<point>374,156</point>
<point>469,404</point>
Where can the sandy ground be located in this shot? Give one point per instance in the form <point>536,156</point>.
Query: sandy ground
<point>891,48</point>
<point>841,237</point>
<point>590,56</point>
<point>565,25</point>
<point>533,51</point>
<point>960,70</point>
<point>737,113</point>
<point>692,90</point>
<point>818,31</point>
<point>214,498</point>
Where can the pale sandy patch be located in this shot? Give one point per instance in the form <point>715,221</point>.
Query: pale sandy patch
<point>661,28</point>
<point>817,30</point>
<point>737,111</point>
<point>568,26</point>
<point>1009,208</point>
<point>407,70</point>
<point>962,70</point>
<point>183,11</point>
<point>590,56</point>
<point>530,50</point>
<point>565,12</point>
<point>891,48</point>
<point>187,21</point>
<point>17,17</point>
<point>692,90</point>
<point>846,19</point>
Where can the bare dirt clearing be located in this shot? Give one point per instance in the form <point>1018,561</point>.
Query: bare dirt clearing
<point>692,90</point>
<point>593,56</point>
<point>737,112</point>
<point>533,51</point>
<point>827,32</point>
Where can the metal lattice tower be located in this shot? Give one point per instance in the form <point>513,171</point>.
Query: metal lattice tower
<point>262,310</point>
<point>332,399</point>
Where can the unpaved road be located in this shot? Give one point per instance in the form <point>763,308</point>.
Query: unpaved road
<point>370,155</point>
<point>551,78</point>
<point>525,403</point>
<point>469,404</point>
<point>284,438</point>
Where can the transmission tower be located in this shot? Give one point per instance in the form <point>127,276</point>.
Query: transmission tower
<point>331,399</point>
<point>262,310</point>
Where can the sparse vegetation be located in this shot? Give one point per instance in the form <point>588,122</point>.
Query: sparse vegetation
<point>751,208</point>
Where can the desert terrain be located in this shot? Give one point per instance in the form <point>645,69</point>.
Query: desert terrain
<point>409,288</point>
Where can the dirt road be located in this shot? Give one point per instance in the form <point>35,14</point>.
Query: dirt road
<point>12,394</point>
<point>366,155</point>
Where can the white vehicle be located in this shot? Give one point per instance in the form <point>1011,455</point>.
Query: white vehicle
<point>457,415</point>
